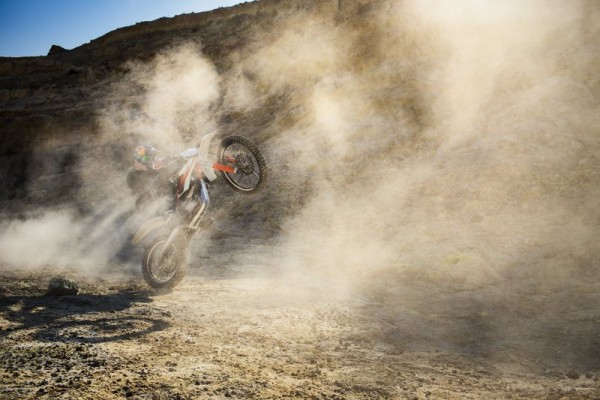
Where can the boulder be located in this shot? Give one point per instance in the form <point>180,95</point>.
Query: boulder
<point>60,286</point>
<point>573,374</point>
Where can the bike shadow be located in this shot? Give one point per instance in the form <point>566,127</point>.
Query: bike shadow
<point>87,318</point>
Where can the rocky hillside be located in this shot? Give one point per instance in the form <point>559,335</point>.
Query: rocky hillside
<point>49,106</point>
<point>435,105</point>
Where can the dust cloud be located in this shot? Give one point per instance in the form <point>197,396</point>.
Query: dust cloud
<point>489,161</point>
<point>166,102</point>
<point>447,146</point>
<point>162,102</point>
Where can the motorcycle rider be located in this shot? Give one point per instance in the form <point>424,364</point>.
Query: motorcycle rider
<point>145,157</point>
<point>150,177</point>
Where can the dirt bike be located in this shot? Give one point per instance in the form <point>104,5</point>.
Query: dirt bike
<point>239,161</point>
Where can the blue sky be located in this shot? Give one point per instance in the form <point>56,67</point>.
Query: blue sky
<point>30,27</point>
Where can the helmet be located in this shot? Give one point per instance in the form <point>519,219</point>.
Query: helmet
<point>145,154</point>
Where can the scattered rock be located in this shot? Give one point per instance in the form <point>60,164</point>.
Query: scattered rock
<point>572,374</point>
<point>60,286</point>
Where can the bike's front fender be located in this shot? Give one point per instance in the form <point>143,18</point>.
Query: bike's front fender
<point>148,227</point>
<point>204,157</point>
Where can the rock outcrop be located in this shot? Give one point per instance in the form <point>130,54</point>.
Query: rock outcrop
<point>55,49</point>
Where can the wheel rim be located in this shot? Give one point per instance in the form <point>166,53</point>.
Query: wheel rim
<point>247,174</point>
<point>162,264</point>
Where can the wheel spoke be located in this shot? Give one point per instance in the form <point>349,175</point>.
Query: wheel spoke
<point>247,164</point>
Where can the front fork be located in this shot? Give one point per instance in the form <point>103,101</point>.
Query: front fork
<point>185,233</point>
<point>196,222</point>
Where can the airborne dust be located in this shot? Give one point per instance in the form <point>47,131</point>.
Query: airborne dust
<point>438,157</point>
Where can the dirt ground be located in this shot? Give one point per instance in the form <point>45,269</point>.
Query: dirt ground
<point>232,335</point>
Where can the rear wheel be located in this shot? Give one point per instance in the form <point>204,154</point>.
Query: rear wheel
<point>164,268</point>
<point>250,168</point>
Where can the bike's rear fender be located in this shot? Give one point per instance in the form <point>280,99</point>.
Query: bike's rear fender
<point>148,227</point>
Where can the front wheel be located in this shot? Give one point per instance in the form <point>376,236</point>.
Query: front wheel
<point>250,168</point>
<point>164,268</point>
